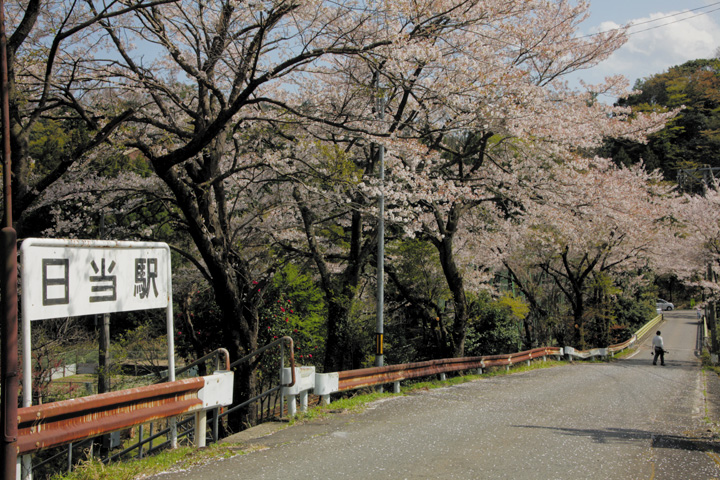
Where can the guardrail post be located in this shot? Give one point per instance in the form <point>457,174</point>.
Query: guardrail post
<point>443,377</point>
<point>200,428</point>
<point>173,432</point>
<point>216,426</point>
<point>396,387</point>
<point>304,381</point>
<point>292,405</point>
<point>304,401</point>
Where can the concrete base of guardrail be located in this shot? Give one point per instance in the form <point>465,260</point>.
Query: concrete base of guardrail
<point>325,384</point>
<point>218,392</point>
<point>304,382</point>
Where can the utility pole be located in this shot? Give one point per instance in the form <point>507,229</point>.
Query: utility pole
<point>711,314</point>
<point>379,354</point>
<point>8,285</point>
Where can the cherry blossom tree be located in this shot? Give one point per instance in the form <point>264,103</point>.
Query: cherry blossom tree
<point>54,65</point>
<point>691,251</point>
<point>592,219</point>
<point>208,107</point>
<point>488,106</point>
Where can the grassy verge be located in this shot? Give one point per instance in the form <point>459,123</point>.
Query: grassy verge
<point>707,364</point>
<point>179,459</point>
<point>186,457</point>
<point>709,369</point>
<point>625,353</point>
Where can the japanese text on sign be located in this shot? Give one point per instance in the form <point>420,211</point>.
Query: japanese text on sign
<point>84,277</point>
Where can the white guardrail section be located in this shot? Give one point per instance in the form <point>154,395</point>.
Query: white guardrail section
<point>571,352</point>
<point>325,384</point>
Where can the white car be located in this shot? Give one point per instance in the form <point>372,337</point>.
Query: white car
<point>664,304</point>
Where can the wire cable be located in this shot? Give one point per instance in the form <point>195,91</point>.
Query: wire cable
<point>670,23</point>
<point>664,17</point>
<point>679,13</point>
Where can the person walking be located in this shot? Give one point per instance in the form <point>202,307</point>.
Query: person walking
<point>659,349</point>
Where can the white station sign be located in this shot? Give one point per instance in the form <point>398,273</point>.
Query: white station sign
<point>68,278</point>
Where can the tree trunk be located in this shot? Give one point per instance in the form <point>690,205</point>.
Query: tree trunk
<point>230,279</point>
<point>338,289</point>
<point>455,283</point>
<point>336,347</point>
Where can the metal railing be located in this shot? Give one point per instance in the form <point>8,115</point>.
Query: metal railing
<point>214,354</point>
<point>185,425</point>
<point>44,426</point>
<point>366,377</point>
<point>284,340</point>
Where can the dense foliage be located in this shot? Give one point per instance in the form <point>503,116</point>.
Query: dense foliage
<point>692,139</point>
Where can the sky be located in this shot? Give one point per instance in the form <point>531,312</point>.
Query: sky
<point>666,33</point>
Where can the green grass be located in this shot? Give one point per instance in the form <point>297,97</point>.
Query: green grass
<point>180,458</point>
<point>84,377</point>
<point>186,457</point>
<point>625,353</point>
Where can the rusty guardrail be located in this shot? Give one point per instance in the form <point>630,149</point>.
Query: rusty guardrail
<point>622,346</point>
<point>58,423</point>
<point>52,424</point>
<point>366,377</point>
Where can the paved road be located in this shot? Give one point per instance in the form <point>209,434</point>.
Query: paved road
<point>621,420</point>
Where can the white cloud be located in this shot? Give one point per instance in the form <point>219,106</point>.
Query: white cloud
<point>658,42</point>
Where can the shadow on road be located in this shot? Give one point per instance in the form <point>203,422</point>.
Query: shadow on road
<point>623,435</point>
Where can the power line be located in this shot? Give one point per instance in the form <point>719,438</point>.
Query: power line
<point>664,17</point>
<point>679,13</point>
<point>670,23</point>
